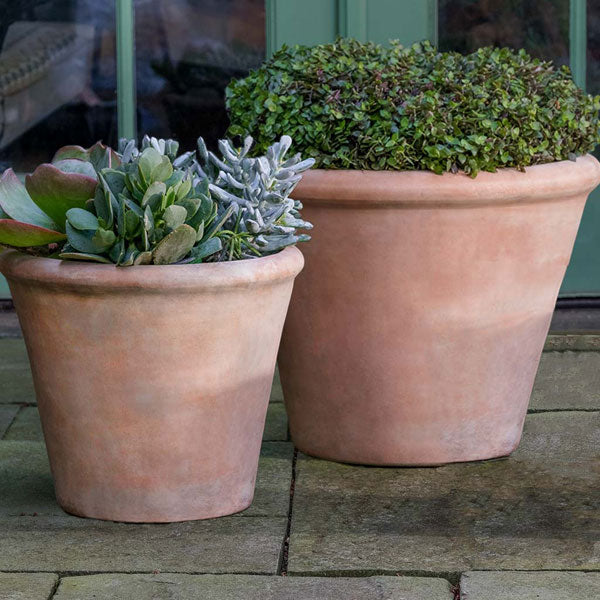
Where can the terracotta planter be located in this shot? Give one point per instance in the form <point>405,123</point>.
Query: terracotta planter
<point>152,382</point>
<point>415,331</point>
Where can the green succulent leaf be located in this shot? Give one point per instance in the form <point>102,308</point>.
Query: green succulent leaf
<point>18,205</point>
<point>81,240</point>
<point>207,248</point>
<point>82,219</point>
<point>103,239</point>
<point>175,216</point>
<point>85,257</point>
<point>143,258</point>
<point>103,205</point>
<point>154,194</point>
<point>191,205</point>
<point>175,246</point>
<point>162,171</point>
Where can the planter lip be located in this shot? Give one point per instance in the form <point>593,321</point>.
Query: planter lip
<point>79,276</point>
<point>548,182</point>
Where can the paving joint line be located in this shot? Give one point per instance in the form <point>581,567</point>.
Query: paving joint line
<point>285,546</point>
<point>14,419</point>
<point>55,587</point>
<point>538,411</point>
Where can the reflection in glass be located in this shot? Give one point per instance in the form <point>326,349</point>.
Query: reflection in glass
<point>539,26</point>
<point>593,46</point>
<point>187,52</point>
<point>57,78</point>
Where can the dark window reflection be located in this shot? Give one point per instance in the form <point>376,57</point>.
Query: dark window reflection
<point>539,26</point>
<point>593,46</point>
<point>187,52</point>
<point>57,77</point>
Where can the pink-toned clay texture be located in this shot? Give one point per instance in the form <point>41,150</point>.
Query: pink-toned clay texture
<point>415,330</point>
<point>153,381</point>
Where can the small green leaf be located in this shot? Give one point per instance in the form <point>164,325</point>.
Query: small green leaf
<point>103,239</point>
<point>83,256</point>
<point>82,219</point>
<point>175,246</point>
<point>175,216</point>
<point>207,248</point>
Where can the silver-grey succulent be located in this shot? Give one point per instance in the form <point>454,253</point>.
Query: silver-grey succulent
<point>253,196</point>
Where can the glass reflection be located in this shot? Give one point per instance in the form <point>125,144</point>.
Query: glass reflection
<point>57,78</point>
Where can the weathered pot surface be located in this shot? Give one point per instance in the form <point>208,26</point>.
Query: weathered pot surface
<point>153,381</point>
<point>415,330</point>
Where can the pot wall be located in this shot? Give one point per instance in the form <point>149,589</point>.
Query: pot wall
<point>152,382</point>
<point>415,331</point>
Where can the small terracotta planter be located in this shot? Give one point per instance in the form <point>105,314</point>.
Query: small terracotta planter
<point>415,331</point>
<point>153,381</point>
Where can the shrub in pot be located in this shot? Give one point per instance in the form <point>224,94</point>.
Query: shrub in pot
<point>152,344</point>
<point>446,201</point>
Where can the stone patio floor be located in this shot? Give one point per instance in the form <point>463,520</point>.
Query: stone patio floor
<point>519,528</point>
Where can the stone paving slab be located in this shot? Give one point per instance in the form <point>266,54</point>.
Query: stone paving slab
<point>511,585</point>
<point>26,426</point>
<point>276,389</point>
<point>16,384</point>
<point>276,426</point>
<point>7,414</point>
<point>38,536</point>
<point>572,341</point>
<point>567,380</point>
<point>227,587</point>
<point>64,543</point>
<point>27,586</point>
<point>9,324</point>
<point>27,486</point>
<point>539,509</point>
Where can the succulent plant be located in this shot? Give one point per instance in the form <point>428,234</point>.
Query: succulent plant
<point>146,210</point>
<point>151,205</point>
<point>34,214</point>
<point>253,197</point>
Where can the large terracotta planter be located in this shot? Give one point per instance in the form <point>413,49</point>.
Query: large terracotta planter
<point>415,331</point>
<point>152,382</point>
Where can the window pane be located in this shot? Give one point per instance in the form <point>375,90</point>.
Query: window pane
<point>57,78</point>
<point>187,52</point>
<point>593,46</point>
<point>539,26</point>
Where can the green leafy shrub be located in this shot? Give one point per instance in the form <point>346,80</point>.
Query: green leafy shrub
<point>353,105</point>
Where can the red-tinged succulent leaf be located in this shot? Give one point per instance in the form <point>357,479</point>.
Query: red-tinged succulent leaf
<point>23,235</point>
<point>17,204</point>
<point>56,192</point>
<point>74,165</point>
<point>67,152</point>
<point>90,154</point>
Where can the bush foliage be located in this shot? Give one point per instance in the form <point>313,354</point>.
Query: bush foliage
<point>353,105</point>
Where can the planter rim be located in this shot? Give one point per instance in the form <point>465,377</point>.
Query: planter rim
<point>93,277</point>
<point>555,181</point>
